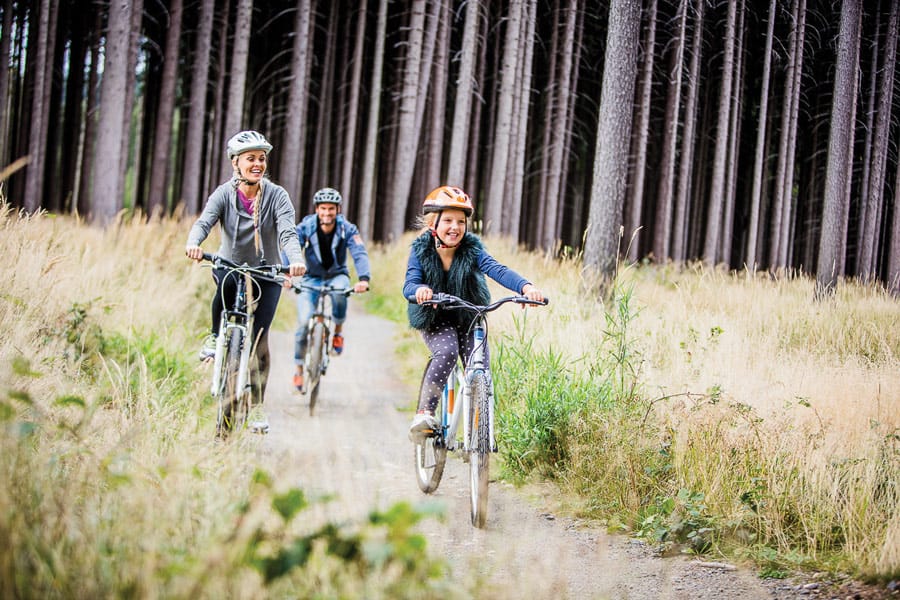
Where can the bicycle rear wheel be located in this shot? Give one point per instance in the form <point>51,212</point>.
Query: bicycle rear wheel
<point>233,409</point>
<point>479,448</point>
<point>430,455</point>
<point>315,350</point>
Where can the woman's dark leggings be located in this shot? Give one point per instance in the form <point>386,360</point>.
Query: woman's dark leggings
<point>266,294</point>
<point>446,341</point>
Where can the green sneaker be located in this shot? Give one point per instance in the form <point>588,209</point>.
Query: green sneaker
<point>257,422</point>
<point>208,349</point>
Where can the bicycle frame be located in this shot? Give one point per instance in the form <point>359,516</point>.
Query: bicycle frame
<point>461,377</point>
<point>231,384</point>
<point>318,336</point>
<point>238,318</point>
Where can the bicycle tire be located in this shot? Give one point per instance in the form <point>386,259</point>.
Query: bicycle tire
<point>430,456</point>
<point>315,351</point>
<point>479,448</point>
<point>234,409</point>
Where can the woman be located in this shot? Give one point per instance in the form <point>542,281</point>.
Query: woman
<point>447,258</point>
<point>257,222</point>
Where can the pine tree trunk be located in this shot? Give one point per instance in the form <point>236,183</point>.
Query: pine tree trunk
<point>193,173</point>
<point>686,160</point>
<point>237,72</point>
<point>875,197</point>
<point>830,262</point>
<point>499,183</point>
<point>759,157</point>
<point>407,136</point>
<point>613,135</point>
<point>711,254</point>
<point>365,218</point>
<point>105,194</point>
<point>162,138</point>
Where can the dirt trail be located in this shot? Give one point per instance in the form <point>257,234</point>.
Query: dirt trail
<point>356,447</point>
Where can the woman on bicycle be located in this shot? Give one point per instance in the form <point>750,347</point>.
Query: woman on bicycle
<point>256,218</point>
<point>447,258</point>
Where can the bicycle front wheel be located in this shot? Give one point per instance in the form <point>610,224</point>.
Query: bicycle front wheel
<point>315,353</point>
<point>233,409</point>
<point>479,448</point>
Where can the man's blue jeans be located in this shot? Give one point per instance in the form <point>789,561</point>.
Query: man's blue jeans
<point>306,306</point>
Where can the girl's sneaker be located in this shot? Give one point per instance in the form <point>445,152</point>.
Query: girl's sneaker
<point>337,343</point>
<point>422,424</point>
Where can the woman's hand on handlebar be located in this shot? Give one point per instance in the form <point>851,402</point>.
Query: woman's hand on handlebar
<point>194,252</point>
<point>296,269</point>
<point>361,287</point>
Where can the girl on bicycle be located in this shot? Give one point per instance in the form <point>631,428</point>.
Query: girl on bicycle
<point>256,218</point>
<point>447,258</point>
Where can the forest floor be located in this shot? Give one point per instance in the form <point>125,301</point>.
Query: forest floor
<point>355,447</point>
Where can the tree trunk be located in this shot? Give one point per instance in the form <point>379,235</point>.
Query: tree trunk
<point>350,134</point>
<point>613,134</point>
<point>873,208</point>
<point>893,255</point>
<point>291,157</point>
<point>37,146</point>
<point>515,211</point>
<point>686,161</point>
<point>634,219</point>
<point>196,122</point>
<point>499,183</point>
<point>551,232</point>
<point>759,156</point>
<point>5,103</point>
<point>838,169</point>
<point>465,87</point>
<point>367,194</point>
<point>237,85</point>
<point>157,202</point>
<point>407,136</point>
<point>662,230</point>
<point>734,132</point>
<point>711,253</point>
<point>105,194</point>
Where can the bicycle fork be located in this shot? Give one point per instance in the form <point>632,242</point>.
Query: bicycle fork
<point>477,364</point>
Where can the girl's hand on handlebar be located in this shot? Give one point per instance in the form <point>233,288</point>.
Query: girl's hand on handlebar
<point>532,293</point>
<point>194,252</point>
<point>423,294</point>
<point>361,287</point>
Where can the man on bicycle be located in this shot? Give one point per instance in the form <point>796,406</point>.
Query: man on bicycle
<point>326,237</point>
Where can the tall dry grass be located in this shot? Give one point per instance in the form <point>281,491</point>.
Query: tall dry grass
<point>730,412</point>
<point>112,485</point>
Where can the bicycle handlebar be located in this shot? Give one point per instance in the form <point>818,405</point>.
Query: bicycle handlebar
<point>450,301</point>
<point>322,289</point>
<point>270,272</point>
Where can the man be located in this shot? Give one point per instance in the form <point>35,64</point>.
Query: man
<point>325,237</point>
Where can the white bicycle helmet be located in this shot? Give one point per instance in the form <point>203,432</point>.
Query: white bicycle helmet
<point>245,141</point>
<point>329,195</point>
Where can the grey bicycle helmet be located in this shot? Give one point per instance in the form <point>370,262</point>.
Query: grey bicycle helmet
<point>245,141</point>
<point>327,195</point>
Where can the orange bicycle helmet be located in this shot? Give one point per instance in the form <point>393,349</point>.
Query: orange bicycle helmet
<point>447,197</point>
